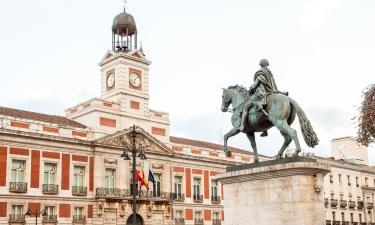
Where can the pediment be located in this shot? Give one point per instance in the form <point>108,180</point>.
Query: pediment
<point>143,139</point>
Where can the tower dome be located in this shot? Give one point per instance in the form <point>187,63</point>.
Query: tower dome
<point>124,33</point>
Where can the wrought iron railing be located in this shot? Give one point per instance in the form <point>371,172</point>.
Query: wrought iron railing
<point>198,198</point>
<point>336,223</point>
<point>326,202</point>
<point>18,187</point>
<point>198,221</point>
<point>351,204</point>
<point>360,204</point>
<point>16,218</point>
<point>370,205</point>
<point>79,219</point>
<point>328,222</point>
<point>116,193</point>
<point>179,221</point>
<point>345,223</point>
<point>79,190</point>
<point>334,202</point>
<point>215,199</point>
<point>178,197</point>
<point>50,219</point>
<point>343,203</point>
<point>216,221</point>
<point>50,189</point>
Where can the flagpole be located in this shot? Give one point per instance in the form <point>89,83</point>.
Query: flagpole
<point>134,154</point>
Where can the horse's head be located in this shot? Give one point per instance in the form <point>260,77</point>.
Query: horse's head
<point>226,100</point>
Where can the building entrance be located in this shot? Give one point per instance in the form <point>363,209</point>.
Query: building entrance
<point>139,220</point>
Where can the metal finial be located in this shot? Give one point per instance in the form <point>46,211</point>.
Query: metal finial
<point>124,5</point>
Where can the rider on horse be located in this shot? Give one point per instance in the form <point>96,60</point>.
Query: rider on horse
<point>264,85</point>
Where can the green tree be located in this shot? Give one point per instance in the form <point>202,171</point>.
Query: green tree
<point>366,118</point>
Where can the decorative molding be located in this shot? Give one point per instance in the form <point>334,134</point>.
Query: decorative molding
<point>110,161</point>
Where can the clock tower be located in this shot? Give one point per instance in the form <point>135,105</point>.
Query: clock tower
<point>124,99</point>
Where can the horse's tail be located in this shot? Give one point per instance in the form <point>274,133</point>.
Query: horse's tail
<point>308,132</point>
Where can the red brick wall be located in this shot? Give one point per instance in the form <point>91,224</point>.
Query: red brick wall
<point>207,215</point>
<point>79,158</point>
<point>197,171</point>
<point>213,173</point>
<point>51,129</point>
<point>222,192</point>
<point>206,178</point>
<point>34,207</point>
<point>3,209</point>
<point>188,182</point>
<point>51,155</point>
<point>19,124</point>
<point>158,131</point>
<point>188,214</point>
<point>64,210</point>
<point>3,165</point>
<point>19,151</point>
<point>91,175</point>
<point>65,171</point>
<point>89,211</point>
<point>215,154</point>
<point>107,104</point>
<point>35,169</point>
<point>134,105</point>
<point>178,169</point>
<point>177,149</point>
<point>222,215</point>
<point>196,151</point>
<point>107,122</point>
<point>79,134</point>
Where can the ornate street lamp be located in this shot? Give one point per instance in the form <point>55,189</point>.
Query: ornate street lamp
<point>36,214</point>
<point>134,150</point>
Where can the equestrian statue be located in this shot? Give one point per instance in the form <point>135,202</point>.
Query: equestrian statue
<point>262,107</point>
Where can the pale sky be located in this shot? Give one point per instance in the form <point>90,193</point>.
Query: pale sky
<point>321,52</point>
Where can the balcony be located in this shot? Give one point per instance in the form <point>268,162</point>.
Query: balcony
<point>336,223</point>
<point>326,202</point>
<point>16,218</point>
<point>52,189</point>
<point>18,187</point>
<point>216,221</point>
<point>328,222</point>
<point>352,204</point>
<point>50,219</point>
<point>371,223</point>
<point>343,203</point>
<point>370,205</point>
<point>178,197</point>
<point>79,191</point>
<point>360,205</point>
<point>345,223</point>
<point>334,202</point>
<point>354,223</point>
<point>179,221</point>
<point>198,222</point>
<point>198,198</point>
<point>215,199</point>
<point>79,219</point>
<point>362,223</point>
<point>126,194</point>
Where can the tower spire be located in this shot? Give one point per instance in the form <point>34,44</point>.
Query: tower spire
<point>124,6</point>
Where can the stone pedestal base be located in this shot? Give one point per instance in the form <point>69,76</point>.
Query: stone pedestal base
<point>277,192</point>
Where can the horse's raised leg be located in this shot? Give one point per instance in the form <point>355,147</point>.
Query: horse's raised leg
<point>231,133</point>
<point>283,126</point>
<point>251,138</point>
<point>287,141</point>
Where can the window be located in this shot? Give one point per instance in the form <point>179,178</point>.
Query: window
<point>349,184</point>
<point>157,186</point>
<point>78,211</point>
<point>109,181</point>
<point>196,188</point>
<point>342,216</point>
<point>178,185</point>
<point>351,217</point>
<point>79,176</point>
<point>333,216</point>
<point>50,210</point>
<point>49,174</point>
<point>17,210</point>
<point>18,171</point>
<point>331,179</point>
<point>216,215</point>
<point>198,215</point>
<point>366,181</point>
<point>340,178</point>
<point>214,189</point>
<point>360,217</point>
<point>179,214</point>
<point>356,182</point>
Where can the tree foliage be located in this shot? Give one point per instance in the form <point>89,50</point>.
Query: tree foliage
<point>366,118</point>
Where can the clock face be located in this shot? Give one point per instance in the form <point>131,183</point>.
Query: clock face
<point>135,80</point>
<point>111,80</point>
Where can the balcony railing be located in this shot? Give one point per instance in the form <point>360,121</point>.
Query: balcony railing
<point>326,202</point>
<point>334,202</point>
<point>216,221</point>
<point>362,223</point>
<point>371,223</point>
<point>79,190</point>
<point>50,219</point>
<point>198,198</point>
<point>50,189</point>
<point>178,197</point>
<point>179,221</point>
<point>343,203</point>
<point>79,219</point>
<point>328,222</point>
<point>215,199</point>
<point>370,205</point>
<point>116,193</point>
<point>345,223</point>
<point>351,204</point>
<point>354,223</point>
<point>18,187</point>
<point>336,223</point>
<point>16,218</point>
<point>360,205</point>
<point>198,221</point>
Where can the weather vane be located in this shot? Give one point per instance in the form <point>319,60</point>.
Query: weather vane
<point>124,5</point>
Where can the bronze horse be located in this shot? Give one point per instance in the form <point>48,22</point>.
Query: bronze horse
<point>280,112</point>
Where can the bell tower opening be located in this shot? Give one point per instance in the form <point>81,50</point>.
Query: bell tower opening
<point>124,33</point>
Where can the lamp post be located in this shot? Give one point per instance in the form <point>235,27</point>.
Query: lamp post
<point>36,213</point>
<point>134,150</point>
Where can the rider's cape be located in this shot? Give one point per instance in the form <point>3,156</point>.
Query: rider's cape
<point>266,86</point>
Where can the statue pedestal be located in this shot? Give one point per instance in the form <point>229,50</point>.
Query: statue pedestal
<point>288,191</point>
